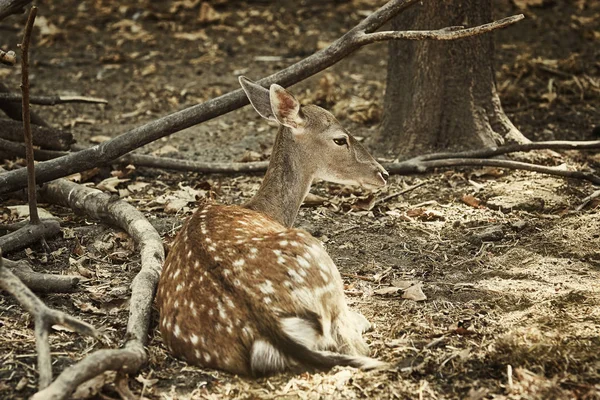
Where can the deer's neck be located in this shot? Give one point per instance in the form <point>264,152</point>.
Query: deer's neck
<point>286,182</point>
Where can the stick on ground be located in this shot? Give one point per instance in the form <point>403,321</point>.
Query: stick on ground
<point>40,282</point>
<point>52,100</point>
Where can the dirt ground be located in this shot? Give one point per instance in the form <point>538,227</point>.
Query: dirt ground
<point>510,269</point>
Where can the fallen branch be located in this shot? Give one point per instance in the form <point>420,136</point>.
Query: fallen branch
<point>142,160</point>
<point>43,136</point>
<point>9,7</point>
<point>133,139</point>
<point>44,318</point>
<point>51,100</point>
<point>8,148</point>
<point>587,200</point>
<point>40,282</point>
<point>101,206</point>
<point>415,167</point>
<point>513,148</point>
<point>29,234</point>
<point>13,110</point>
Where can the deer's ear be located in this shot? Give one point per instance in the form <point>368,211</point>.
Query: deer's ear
<point>259,98</point>
<point>285,107</point>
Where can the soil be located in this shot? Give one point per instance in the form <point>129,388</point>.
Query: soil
<point>510,269</point>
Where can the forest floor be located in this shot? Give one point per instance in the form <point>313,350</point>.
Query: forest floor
<point>510,268</point>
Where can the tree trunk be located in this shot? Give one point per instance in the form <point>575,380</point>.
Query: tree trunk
<point>441,95</point>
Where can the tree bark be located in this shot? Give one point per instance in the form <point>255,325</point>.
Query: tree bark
<point>442,96</point>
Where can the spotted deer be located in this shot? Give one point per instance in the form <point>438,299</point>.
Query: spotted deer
<point>243,291</point>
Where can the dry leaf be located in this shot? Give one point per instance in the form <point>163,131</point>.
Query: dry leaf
<point>167,149</point>
<point>471,201</point>
<point>207,13</point>
<point>111,184</point>
<point>314,200</point>
<point>192,37</point>
<point>402,284</point>
<point>99,138</point>
<point>387,290</point>
<point>414,293</point>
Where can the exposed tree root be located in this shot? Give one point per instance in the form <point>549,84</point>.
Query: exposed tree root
<point>40,282</point>
<point>119,213</point>
<point>44,317</point>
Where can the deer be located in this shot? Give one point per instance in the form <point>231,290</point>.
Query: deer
<point>242,290</point>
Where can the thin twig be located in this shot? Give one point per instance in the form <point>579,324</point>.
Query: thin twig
<point>396,194</point>
<point>587,200</point>
<point>449,33</point>
<point>31,189</point>
<point>51,100</point>
<point>512,148</point>
<point>424,166</point>
<point>133,139</point>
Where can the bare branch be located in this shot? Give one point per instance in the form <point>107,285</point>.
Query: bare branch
<point>513,148</point>
<point>40,282</point>
<point>44,318</point>
<point>9,7</point>
<point>13,110</point>
<point>450,33</point>
<point>8,58</point>
<point>137,137</point>
<point>415,166</point>
<point>99,205</point>
<point>51,100</point>
<point>143,160</point>
<point>29,234</point>
<point>31,189</point>
<point>44,137</point>
<point>587,200</point>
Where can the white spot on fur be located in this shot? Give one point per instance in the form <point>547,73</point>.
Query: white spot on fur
<point>283,243</point>
<point>281,260</point>
<point>177,273</point>
<point>194,339</point>
<point>294,275</point>
<point>266,287</point>
<point>176,331</point>
<point>239,263</point>
<point>303,262</point>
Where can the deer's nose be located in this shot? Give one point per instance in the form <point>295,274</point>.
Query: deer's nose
<point>384,174</point>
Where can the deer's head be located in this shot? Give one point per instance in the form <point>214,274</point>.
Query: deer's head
<point>333,154</point>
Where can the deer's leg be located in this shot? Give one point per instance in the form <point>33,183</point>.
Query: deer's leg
<point>361,323</point>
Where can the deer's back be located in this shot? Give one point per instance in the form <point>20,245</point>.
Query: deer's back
<point>231,276</point>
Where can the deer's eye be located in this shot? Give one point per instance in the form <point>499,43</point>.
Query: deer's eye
<point>341,141</point>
